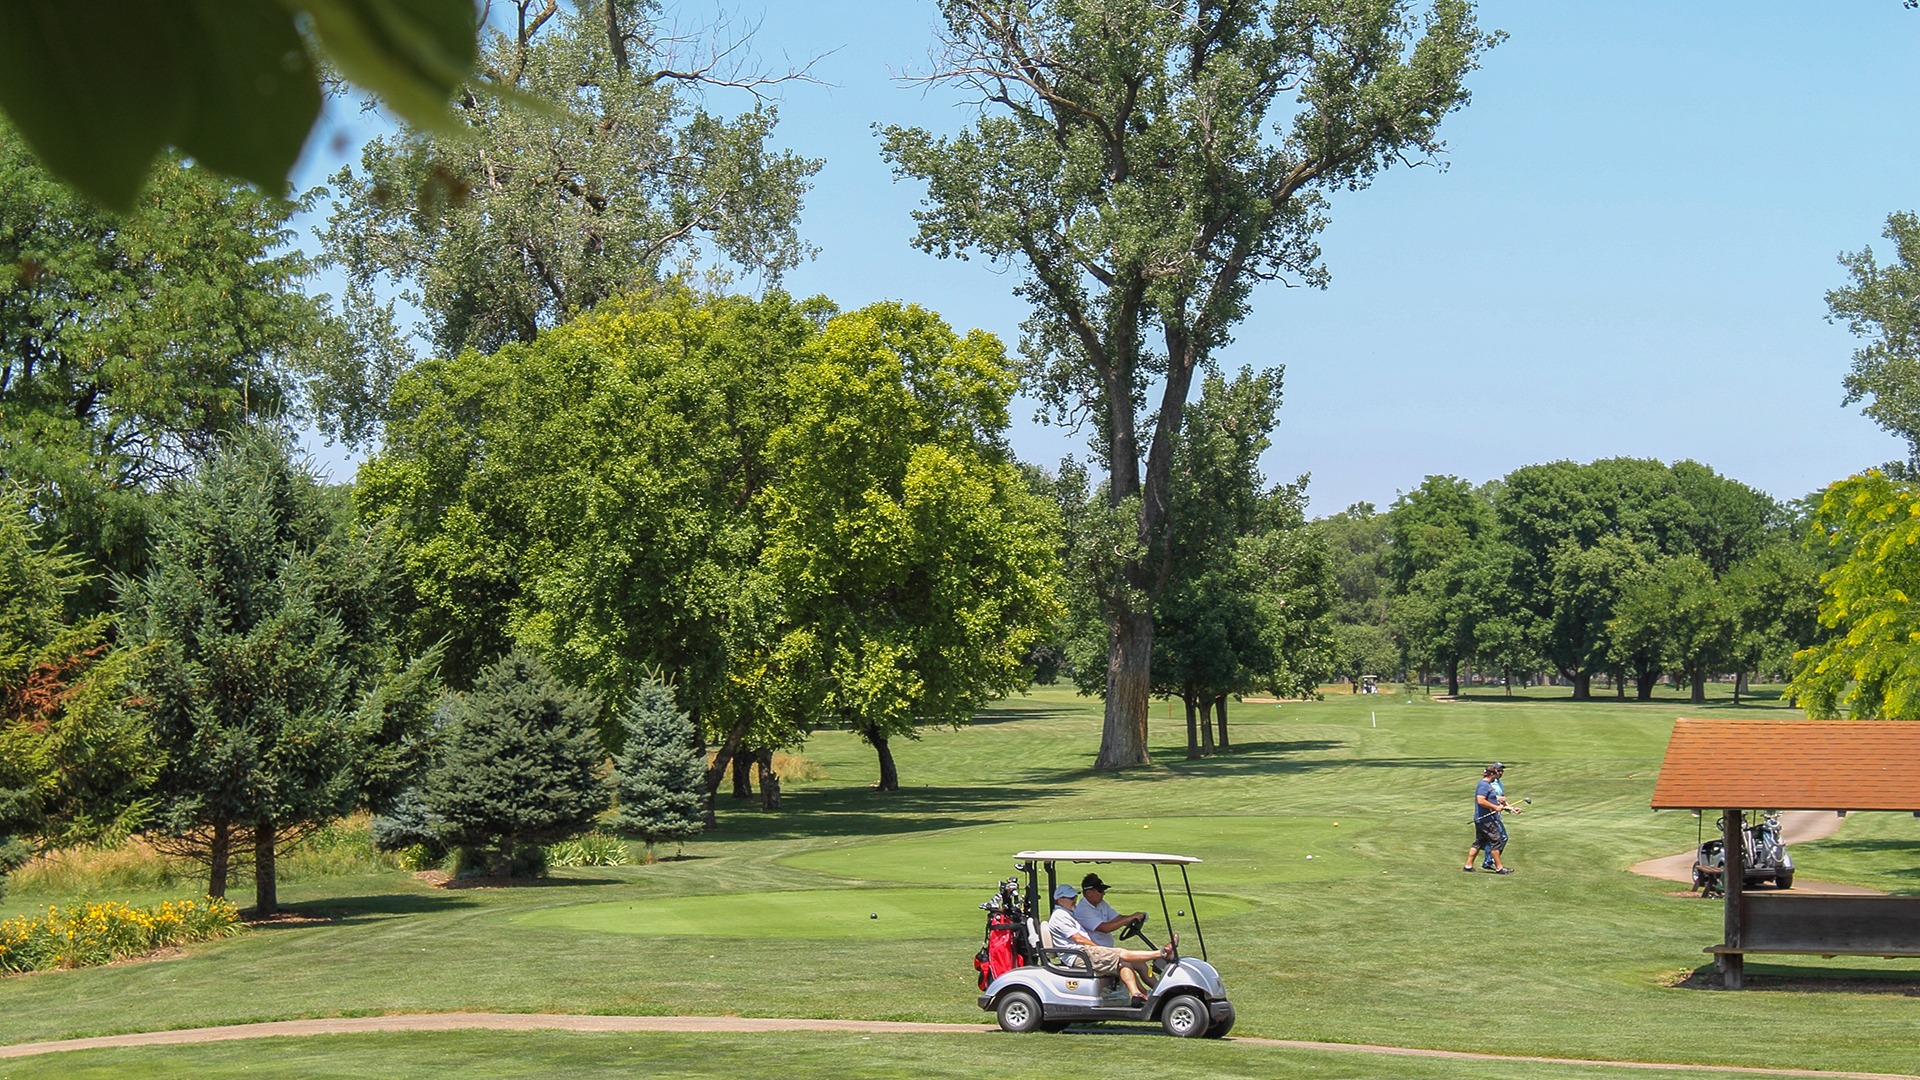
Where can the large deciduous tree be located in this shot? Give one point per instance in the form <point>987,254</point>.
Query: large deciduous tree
<point>1148,162</point>
<point>592,498</point>
<point>1870,667</point>
<point>913,570</point>
<point>1882,306</point>
<point>130,345</point>
<point>537,210</point>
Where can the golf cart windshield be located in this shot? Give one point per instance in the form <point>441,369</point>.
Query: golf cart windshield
<point>1034,862</point>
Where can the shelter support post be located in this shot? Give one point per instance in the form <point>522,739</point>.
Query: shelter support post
<point>1733,881</point>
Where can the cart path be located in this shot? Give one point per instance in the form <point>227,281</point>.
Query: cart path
<point>1796,827</point>
<point>703,1024</point>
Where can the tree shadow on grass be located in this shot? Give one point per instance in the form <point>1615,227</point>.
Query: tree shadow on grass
<point>1283,758</point>
<point>864,812</point>
<point>348,910</point>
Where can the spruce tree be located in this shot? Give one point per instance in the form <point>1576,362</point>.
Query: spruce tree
<point>520,764</point>
<point>264,608</point>
<point>661,774</point>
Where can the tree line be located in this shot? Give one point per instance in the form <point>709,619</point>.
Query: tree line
<point>591,479</point>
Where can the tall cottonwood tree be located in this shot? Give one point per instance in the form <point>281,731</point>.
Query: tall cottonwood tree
<point>587,166</point>
<point>1882,306</point>
<point>1148,163</point>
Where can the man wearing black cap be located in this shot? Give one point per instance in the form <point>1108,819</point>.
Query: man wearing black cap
<point>1098,916</point>
<point>1489,833</point>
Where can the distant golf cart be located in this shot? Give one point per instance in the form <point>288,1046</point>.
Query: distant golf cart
<point>1031,982</point>
<point>1765,857</point>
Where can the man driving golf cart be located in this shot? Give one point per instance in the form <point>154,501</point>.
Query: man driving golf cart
<point>1124,964</point>
<point>1038,971</point>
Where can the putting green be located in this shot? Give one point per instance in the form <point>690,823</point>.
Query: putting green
<point>1236,852</point>
<point>822,913</point>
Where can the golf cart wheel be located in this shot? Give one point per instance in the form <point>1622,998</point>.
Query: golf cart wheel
<point>1185,1016</point>
<point>1784,881</point>
<point>1219,1028</point>
<point>1699,879</point>
<point>1019,1012</point>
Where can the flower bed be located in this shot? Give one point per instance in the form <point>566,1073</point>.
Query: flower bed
<point>69,937</point>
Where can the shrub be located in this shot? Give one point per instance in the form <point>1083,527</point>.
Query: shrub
<point>593,849</point>
<point>99,933</point>
<point>520,766</point>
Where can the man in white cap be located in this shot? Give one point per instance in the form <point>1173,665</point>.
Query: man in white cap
<point>1066,930</point>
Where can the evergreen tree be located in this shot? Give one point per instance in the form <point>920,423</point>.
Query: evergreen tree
<point>661,774</point>
<point>265,610</point>
<point>520,764</point>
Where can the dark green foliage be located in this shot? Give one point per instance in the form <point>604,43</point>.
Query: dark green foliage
<point>661,776</point>
<point>130,346</point>
<point>264,606</point>
<point>520,764</point>
<point>75,754</point>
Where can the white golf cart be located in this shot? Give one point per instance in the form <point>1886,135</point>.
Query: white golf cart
<point>1035,983</point>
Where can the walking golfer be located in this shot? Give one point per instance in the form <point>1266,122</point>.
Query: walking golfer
<point>1489,833</point>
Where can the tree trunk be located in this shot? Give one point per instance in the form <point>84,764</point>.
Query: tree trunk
<point>266,891</point>
<point>219,856</point>
<point>1643,686</point>
<point>717,768</point>
<point>1453,678</point>
<point>1193,726</point>
<point>743,760</point>
<point>1582,685</point>
<point>1220,710</point>
<point>646,858</point>
<point>1739,684</point>
<point>769,781</point>
<point>1123,736</point>
<point>1697,680</point>
<point>889,776</point>
<point>1206,727</point>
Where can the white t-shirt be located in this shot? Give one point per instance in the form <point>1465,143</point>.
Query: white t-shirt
<point>1092,915</point>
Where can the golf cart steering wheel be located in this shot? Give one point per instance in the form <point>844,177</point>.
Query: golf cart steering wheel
<point>1131,930</point>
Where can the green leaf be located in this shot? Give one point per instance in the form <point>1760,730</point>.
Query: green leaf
<point>255,96</point>
<point>95,87</point>
<point>414,54</point>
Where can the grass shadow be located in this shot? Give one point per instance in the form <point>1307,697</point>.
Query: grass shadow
<point>349,910</point>
<point>1829,980</point>
<point>865,812</point>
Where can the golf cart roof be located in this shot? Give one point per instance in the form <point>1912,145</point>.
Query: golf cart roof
<point>1102,856</point>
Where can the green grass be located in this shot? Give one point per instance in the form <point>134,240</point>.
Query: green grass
<point>545,1055</point>
<point>1378,939</point>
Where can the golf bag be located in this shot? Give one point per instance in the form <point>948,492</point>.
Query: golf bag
<point>1006,929</point>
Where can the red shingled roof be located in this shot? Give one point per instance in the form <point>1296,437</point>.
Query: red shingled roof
<point>1791,765</point>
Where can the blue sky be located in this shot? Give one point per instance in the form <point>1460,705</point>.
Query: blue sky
<point>1626,252</point>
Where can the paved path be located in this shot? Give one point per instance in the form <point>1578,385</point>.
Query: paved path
<point>701,1024</point>
<point>1796,827</point>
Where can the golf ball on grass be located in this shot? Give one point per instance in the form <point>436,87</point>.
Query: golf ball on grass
<point>874,915</point>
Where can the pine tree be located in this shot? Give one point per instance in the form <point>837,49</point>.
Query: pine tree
<point>661,774</point>
<point>520,765</point>
<point>264,607</point>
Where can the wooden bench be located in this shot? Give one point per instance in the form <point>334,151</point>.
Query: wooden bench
<point>1824,926</point>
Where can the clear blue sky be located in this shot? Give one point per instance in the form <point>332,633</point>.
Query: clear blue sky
<point>1625,254</point>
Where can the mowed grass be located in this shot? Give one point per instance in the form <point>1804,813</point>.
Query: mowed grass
<point>1379,938</point>
<point>573,1056</point>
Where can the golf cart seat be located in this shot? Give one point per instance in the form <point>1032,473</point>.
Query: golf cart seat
<point>1071,960</point>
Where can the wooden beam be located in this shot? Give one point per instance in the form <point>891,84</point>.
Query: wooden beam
<point>1733,882</point>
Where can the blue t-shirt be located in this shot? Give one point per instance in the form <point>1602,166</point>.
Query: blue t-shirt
<point>1489,788</point>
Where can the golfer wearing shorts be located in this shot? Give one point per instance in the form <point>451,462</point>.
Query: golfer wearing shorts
<point>1064,928</point>
<point>1489,832</point>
